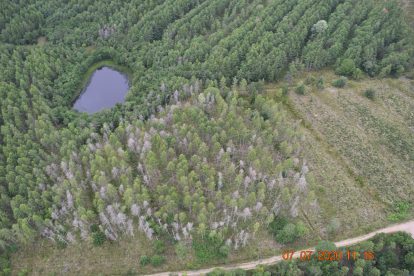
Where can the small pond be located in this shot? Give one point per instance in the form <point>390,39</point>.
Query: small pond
<point>105,88</point>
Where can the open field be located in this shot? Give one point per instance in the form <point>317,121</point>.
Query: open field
<point>359,150</point>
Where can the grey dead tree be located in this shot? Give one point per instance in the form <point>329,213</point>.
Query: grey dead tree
<point>106,31</point>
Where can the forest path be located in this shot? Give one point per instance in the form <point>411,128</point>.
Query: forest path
<point>403,227</point>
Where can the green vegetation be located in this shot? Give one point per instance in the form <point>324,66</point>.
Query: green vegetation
<point>300,89</point>
<point>286,232</point>
<point>291,232</point>
<point>159,247</point>
<point>320,84</point>
<point>360,151</point>
<point>347,67</point>
<point>157,260</point>
<point>199,154</point>
<point>213,247</point>
<point>340,83</point>
<point>369,93</point>
<point>401,211</point>
<point>98,238</point>
<point>144,260</point>
<point>392,255</point>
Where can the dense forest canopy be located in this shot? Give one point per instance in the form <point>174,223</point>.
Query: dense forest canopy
<point>194,153</point>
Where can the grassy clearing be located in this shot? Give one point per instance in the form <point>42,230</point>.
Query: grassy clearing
<point>409,10</point>
<point>85,259</point>
<point>43,258</point>
<point>41,41</point>
<point>360,150</point>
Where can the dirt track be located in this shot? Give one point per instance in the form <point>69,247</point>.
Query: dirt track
<point>404,227</point>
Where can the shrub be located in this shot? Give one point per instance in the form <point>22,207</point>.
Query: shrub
<point>301,229</point>
<point>401,211</point>
<point>320,84</point>
<point>277,224</point>
<point>159,247</point>
<point>209,248</point>
<point>285,231</point>
<point>295,68</point>
<point>334,225</point>
<point>94,228</point>
<point>131,272</point>
<point>6,271</point>
<point>157,260</point>
<point>181,250</point>
<point>144,260</point>
<point>340,83</point>
<point>291,232</point>
<point>300,90</point>
<point>5,265</point>
<point>23,272</point>
<point>409,260</point>
<point>285,90</point>
<point>287,234</point>
<point>61,244</point>
<point>357,74</point>
<point>98,238</point>
<point>370,93</point>
<point>346,68</point>
<point>310,80</point>
<point>224,250</point>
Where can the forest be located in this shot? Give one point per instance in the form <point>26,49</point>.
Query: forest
<point>196,158</point>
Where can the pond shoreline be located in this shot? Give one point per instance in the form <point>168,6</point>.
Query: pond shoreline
<point>87,76</point>
<point>105,87</point>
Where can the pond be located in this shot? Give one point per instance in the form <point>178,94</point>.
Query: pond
<point>105,88</point>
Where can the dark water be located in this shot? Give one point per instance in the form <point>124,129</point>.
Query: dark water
<point>106,88</point>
